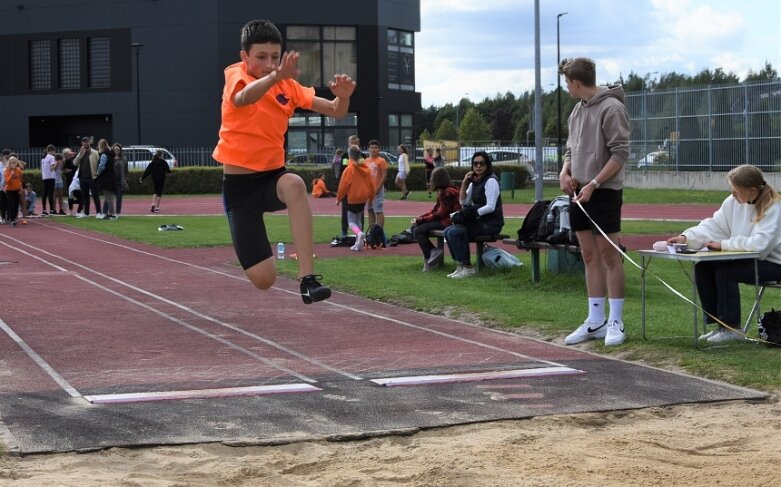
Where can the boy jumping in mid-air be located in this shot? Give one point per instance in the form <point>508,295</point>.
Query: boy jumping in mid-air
<point>259,97</point>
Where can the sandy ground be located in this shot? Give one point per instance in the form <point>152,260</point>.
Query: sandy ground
<point>724,444</point>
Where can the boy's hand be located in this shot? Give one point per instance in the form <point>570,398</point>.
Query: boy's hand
<point>288,66</point>
<point>342,86</point>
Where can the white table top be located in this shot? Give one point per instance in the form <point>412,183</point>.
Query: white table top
<point>700,256</point>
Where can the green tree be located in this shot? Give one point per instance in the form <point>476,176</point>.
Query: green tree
<point>766,74</point>
<point>474,130</point>
<point>446,131</point>
<point>424,135</point>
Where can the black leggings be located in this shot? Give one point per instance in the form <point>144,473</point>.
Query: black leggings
<point>13,204</point>
<point>48,195</point>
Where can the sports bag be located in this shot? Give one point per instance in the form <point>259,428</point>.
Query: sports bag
<point>338,241</point>
<point>530,227</point>
<point>497,258</point>
<point>557,227</point>
<point>375,237</point>
<point>770,327</point>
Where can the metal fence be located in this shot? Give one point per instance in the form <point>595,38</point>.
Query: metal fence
<point>714,128</point>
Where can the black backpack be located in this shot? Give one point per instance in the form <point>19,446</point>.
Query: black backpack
<point>405,237</point>
<point>338,241</point>
<point>530,228</point>
<point>375,237</point>
<point>770,328</point>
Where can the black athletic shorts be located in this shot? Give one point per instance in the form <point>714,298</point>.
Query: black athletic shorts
<point>246,197</point>
<point>604,207</point>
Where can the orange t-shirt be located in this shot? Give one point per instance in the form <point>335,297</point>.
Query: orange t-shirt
<point>377,165</point>
<point>13,179</point>
<point>318,188</point>
<point>253,136</point>
<point>356,183</point>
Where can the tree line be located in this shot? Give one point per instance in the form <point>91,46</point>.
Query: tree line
<point>507,118</point>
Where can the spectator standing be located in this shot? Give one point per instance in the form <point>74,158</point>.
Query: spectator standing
<point>87,161</point>
<point>351,140</point>
<point>13,187</point>
<point>436,219</point>
<point>428,160</point>
<point>404,167</point>
<point>438,161</point>
<point>68,171</point>
<point>58,183</point>
<point>157,169</point>
<point>47,174</point>
<point>481,213</point>
<point>336,163</point>
<point>356,187</point>
<point>3,197</point>
<point>378,167</point>
<point>106,181</point>
<point>593,175</point>
<point>121,175</point>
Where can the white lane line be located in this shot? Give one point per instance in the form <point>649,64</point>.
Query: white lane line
<point>199,394</point>
<point>167,316</point>
<point>327,302</point>
<point>475,376</point>
<point>69,389</point>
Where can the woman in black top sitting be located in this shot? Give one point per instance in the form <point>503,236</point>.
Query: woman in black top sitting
<point>481,214</point>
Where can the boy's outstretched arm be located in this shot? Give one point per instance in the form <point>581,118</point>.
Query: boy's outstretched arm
<point>342,86</point>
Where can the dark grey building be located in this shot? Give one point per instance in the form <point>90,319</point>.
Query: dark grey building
<point>69,68</point>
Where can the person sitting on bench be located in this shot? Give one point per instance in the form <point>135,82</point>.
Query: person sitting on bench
<point>481,214</point>
<point>436,219</point>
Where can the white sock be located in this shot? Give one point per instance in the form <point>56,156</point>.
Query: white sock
<point>596,310</point>
<point>616,309</point>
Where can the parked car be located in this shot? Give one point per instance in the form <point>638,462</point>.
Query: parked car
<point>139,156</point>
<point>392,159</point>
<point>310,159</point>
<point>500,157</point>
<point>659,157</point>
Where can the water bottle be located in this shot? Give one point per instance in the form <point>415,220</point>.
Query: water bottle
<point>281,250</point>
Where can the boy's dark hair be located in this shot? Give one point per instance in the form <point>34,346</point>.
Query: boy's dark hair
<point>259,32</point>
<point>374,142</point>
<point>58,157</point>
<point>6,152</point>
<point>440,179</point>
<point>580,69</point>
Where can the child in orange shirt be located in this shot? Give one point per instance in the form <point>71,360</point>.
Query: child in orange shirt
<point>259,97</point>
<point>357,184</point>
<point>319,189</point>
<point>13,188</point>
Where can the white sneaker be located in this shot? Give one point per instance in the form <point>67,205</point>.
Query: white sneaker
<point>586,331</point>
<point>724,335</point>
<point>100,216</point>
<point>465,272</point>
<point>81,215</point>
<point>709,334</point>
<point>356,247</point>
<point>615,333</point>
<point>458,270</point>
<point>360,239</point>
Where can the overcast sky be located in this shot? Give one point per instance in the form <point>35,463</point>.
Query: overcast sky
<point>485,47</point>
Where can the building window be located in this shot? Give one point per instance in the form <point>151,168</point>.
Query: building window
<point>401,60</point>
<point>400,129</point>
<point>69,67</point>
<point>324,51</point>
<point>310,132</point>
<point>99,61</point>
<point>40,65</point>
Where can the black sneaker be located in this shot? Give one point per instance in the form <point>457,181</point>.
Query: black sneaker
<point>312,291</point>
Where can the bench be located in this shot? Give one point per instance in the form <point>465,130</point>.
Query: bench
<point>535,247</point>
<point>479,240</point>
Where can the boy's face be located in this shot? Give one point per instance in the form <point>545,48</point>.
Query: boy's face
<point>374,150</point>
<point>262,59</point>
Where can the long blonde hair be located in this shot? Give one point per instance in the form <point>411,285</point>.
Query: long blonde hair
<point>747,176</point>
<point>102,145</point>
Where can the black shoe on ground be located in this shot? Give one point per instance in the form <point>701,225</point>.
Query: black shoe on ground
<point>312,291</point>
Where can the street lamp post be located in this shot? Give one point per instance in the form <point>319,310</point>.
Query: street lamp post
<point>137,47</point>
<point>558,89</point>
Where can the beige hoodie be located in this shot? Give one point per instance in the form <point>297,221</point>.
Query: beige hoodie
<point>598,132</point>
